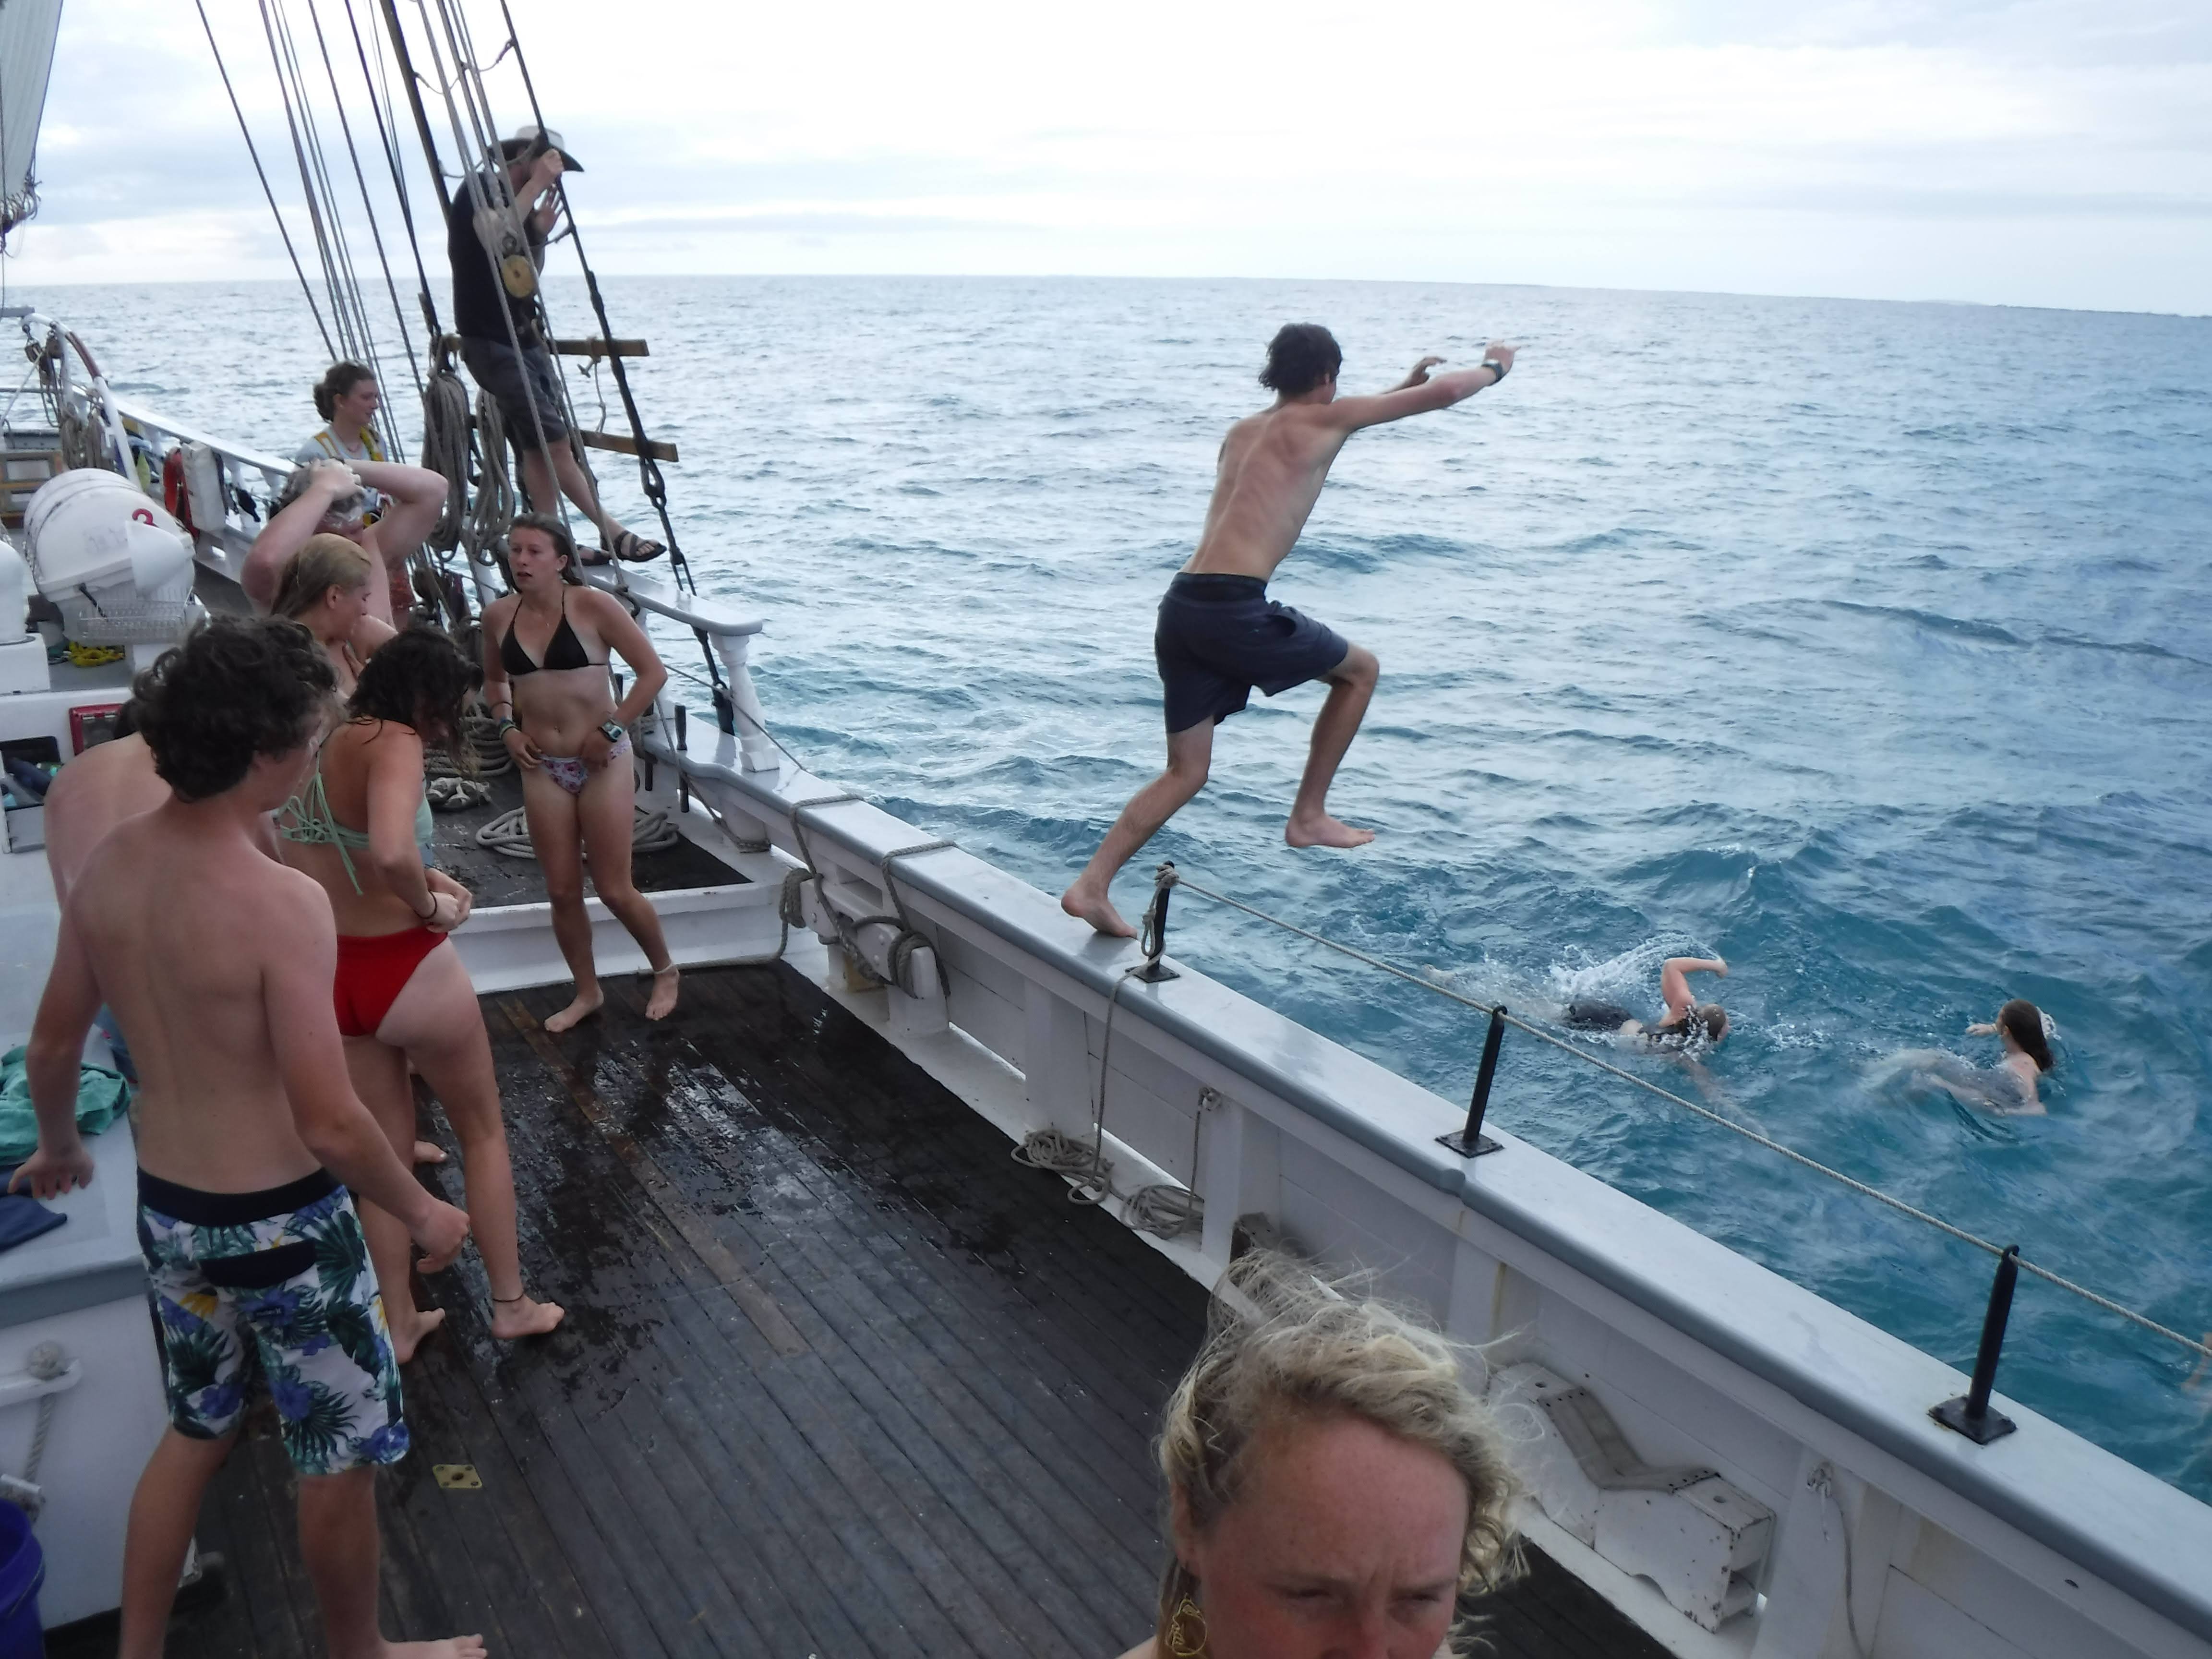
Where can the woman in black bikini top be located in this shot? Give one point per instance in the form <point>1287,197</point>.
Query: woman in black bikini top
<point>563,650</point>
<point>571,739</point>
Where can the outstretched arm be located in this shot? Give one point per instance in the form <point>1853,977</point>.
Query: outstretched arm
<point>1674,987</point>
<point>1420,397</point>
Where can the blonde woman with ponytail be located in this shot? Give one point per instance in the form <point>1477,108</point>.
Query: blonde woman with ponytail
<point>1332,1486</point>
<point>325,588</point>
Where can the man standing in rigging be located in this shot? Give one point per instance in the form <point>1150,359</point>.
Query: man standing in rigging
<point>496,233</point>
<point>1219,635</point>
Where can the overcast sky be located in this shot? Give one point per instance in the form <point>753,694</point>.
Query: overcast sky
<point>2040,152</point>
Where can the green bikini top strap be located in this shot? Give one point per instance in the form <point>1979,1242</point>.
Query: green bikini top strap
<point>306,820</point>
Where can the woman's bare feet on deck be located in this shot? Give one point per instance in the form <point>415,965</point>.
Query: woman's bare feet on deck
<point>409,1328</point>
<point>1322,830</point>
<point>665,983</point>
<point>582,1009</point>
<point>517,1316</point>
<point>429,1152</point>
<point>1095,908</point>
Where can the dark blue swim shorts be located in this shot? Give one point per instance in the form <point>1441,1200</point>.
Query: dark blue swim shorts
<point>1219,636</point>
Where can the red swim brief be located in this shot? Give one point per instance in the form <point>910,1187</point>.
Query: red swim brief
<point>374,968</point>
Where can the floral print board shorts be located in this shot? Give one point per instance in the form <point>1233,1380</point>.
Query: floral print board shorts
<point>278,1280</point>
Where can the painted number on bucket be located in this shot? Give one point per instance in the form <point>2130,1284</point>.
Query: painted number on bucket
<point>458,1477</point>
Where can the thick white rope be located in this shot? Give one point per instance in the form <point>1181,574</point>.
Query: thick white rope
<point>1791,1153</point>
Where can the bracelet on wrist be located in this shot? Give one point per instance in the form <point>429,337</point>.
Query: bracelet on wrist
<point>507,723</point>
<point>1496,368</point>
<point>433,914</point>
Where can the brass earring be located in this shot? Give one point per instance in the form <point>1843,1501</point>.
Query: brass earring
<point>1186,1633</point>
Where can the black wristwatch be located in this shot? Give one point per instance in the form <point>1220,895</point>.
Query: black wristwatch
<point>612,732</point>
<point>1496,368</point>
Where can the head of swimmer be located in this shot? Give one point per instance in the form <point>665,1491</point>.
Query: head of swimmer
<point>2020,1023</point>
<point>348,514</point>
<point>325,586</point>
<point>1302,363</point>
<point>234,709</point>
<point>419,678</point>
<point>349,389</point>
<point>540,551</point>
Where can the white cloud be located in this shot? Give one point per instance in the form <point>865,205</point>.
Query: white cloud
<point>2030,151</point>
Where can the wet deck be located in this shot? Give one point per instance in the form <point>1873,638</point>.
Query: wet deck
<point>839,1378</point>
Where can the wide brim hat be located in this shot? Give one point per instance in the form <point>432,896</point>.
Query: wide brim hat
<point>532,139</point>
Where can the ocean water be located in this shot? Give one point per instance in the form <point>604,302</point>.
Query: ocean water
<point>1868,645</point>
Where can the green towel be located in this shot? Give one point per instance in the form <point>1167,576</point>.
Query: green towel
<point>101,1096</point>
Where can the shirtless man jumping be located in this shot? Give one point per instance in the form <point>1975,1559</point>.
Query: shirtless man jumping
<point>217,962</point>
<point>1219,634</point>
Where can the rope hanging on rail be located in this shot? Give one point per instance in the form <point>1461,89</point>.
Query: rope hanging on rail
<point>2058,1280</point>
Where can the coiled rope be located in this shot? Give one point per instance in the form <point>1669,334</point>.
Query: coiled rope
<point>1164,1209</point>
<point>2058,1280</point>
<point>446,451</point>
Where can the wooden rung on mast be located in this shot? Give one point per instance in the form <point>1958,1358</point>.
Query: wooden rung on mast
<point>599,347</point>
<point>621,445</point>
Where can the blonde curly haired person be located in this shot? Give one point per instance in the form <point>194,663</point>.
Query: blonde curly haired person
<point>1332,1486</point>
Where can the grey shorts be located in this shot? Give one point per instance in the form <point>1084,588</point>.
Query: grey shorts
<point>527,388</point>
<point>1219,636</point>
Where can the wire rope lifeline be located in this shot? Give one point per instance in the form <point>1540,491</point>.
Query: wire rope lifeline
<point>2059,1281</point>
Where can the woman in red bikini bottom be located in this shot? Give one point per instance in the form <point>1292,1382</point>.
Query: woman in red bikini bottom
<point>355,826</point>
<point>546,648</point>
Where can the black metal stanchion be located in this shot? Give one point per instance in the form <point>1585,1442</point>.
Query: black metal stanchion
<point>1970,1413</point>
<point>1154,939</point>
<point>1471,1142</point>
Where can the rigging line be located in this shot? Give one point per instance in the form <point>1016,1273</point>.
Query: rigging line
<point>261,173</point>
<point>368,207</point>
<point>387,134</point>
<point>648,470</point>
<point>413,82</point>
<point>479,183</point>
<point>334,217</point>
<point>716,685</point>
<point>1790,1152</point>
<point>340,316</point>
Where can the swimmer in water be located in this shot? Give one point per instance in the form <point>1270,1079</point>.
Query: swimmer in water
<point>2007,1088</point>
<point>1687,1021</point>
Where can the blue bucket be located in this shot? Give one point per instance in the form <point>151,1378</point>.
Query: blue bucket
<point>22,1570</point>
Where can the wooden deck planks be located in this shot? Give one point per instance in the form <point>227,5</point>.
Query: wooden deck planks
<point>839,1378</point>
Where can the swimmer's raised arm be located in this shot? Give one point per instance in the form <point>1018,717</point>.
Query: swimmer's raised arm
<point>1417,397</point>
<point>1675,988</point>
<point>1983,1028</point>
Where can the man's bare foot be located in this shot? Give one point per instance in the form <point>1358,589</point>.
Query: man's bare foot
<point>1322,830</point>
<point>453,1647</point>
<point>662,1002</point>
<point>582,1008</point>
<point>429,1152</point>
<point>513,1318</point>
<point>1087,904</point>
<point>409,1329</point>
